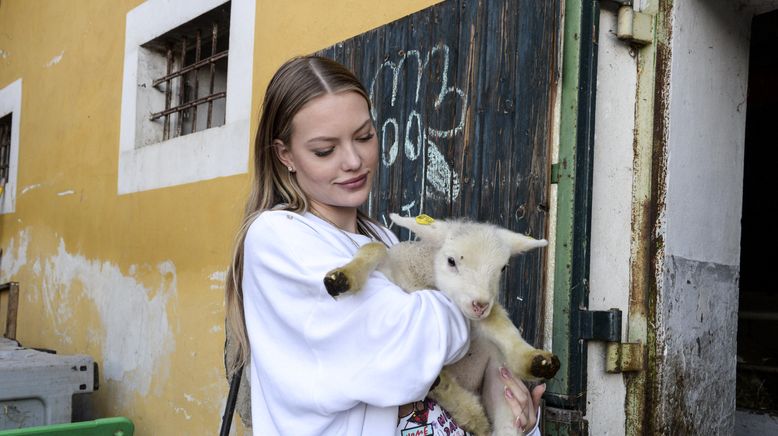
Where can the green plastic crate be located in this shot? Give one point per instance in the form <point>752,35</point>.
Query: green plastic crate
<point>117,426</point>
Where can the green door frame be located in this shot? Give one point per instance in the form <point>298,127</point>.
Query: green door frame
<point>566,393</point>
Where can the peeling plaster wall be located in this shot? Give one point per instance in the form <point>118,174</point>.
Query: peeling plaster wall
<point>700,198</point>
<point>135,281</point>
<point>135,336</point>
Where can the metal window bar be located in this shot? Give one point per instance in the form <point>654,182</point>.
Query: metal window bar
<point>183,103</point>
<point>196,79</point>
<point>5,148</point>
<point>181,86</point>
<point>213,71</point>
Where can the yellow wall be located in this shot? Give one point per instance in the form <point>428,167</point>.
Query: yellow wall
<point>132,280</point>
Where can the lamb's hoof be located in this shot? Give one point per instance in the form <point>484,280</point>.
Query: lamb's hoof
<point>544,366</point>
<point>336,283</point>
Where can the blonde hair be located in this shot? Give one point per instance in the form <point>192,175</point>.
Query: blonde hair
<point>296,82</point>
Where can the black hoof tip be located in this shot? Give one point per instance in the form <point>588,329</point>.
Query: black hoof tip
<point>336,283</point>
<point>544,367</point>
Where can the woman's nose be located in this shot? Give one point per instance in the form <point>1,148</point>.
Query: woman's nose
<point>351,158</point>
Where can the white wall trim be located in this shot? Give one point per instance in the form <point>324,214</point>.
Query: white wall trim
<point>11,103</point>
<point>216,152</point>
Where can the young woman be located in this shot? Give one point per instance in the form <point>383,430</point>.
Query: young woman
<point>322,366</point>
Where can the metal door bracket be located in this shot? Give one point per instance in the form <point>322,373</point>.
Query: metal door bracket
<point>635,27</point>
<point>605,325</point>
<point>599,325</point>
<point>623,357</point>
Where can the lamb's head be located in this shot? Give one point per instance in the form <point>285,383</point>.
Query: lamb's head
<point>469,258</point>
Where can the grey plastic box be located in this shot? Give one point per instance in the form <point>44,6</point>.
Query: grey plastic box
<point>37,388</point>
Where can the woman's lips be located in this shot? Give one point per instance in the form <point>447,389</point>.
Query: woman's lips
<point>355,183</point>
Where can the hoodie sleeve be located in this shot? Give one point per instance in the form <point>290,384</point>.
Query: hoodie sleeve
<point>379,346</point>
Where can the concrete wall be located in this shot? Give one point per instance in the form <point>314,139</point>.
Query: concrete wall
<point>133,280</point>
<point>698,229</point>
<point>698,174</point>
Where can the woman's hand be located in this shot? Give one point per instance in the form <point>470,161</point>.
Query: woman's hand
<point>523,403</point>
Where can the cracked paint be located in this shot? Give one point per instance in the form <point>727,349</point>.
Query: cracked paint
<point>55,60</point>
<point>15,256</point>
<point>30,188</point>
<point>217,280</point>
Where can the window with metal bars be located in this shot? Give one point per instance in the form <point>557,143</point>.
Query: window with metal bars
<point>5,149</point>
<point>188,72</point>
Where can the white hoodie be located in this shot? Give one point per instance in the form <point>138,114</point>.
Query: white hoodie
<point>321,366</point>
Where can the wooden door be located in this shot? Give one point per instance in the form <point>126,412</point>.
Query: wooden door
<point>463,95</point>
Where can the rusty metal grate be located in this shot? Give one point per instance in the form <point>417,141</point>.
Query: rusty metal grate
<point>196,55</point>
<point>5,148</point>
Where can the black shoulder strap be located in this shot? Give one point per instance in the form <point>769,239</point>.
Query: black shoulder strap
<point>232,397</point>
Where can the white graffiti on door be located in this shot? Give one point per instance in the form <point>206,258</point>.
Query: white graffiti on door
<point>412,131</point>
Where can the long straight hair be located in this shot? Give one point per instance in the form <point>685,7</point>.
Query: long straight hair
<point>297,82</point>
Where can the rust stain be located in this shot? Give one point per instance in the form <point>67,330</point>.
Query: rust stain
<point>653,416</point>
<point>642,412</point>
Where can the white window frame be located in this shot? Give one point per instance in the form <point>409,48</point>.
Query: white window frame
<point>207,154</point>
<point>11,103</point>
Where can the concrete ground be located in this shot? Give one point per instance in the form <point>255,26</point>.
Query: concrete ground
<point>751,422</point>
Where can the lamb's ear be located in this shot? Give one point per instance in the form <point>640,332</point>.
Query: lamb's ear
<point>521,243</point>
<point>426,229</point>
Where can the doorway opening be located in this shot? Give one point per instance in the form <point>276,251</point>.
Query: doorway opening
<point>757,348</point>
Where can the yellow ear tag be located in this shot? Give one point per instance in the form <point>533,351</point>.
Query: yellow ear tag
<point>424,220</point>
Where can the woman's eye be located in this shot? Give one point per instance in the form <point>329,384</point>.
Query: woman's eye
<point>322,153</point>
<point>366,138</point>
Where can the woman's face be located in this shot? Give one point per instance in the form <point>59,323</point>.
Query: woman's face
<point>333,151</point>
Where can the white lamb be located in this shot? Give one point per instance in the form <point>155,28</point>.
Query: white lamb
<point>464,260</point>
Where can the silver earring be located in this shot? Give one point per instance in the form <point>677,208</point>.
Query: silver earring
<point>290,169</point>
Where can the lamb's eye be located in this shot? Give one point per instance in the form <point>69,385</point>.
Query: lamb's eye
<point>451,262</point>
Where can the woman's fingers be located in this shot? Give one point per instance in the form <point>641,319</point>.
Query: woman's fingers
<point>520,400</point>
<point>537,394</point>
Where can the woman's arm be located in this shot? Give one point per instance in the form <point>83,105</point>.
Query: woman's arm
<point>380,346</point>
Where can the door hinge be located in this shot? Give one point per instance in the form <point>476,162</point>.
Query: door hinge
<point>635,27</point>
<point>605,325</point>
<point>623,357</point>
<point>601,325</point>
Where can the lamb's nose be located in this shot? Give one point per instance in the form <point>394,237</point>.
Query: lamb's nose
<point>479,307</point>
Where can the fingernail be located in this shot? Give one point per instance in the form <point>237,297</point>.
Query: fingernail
<point>504,372</point>
<point>508,393</point>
